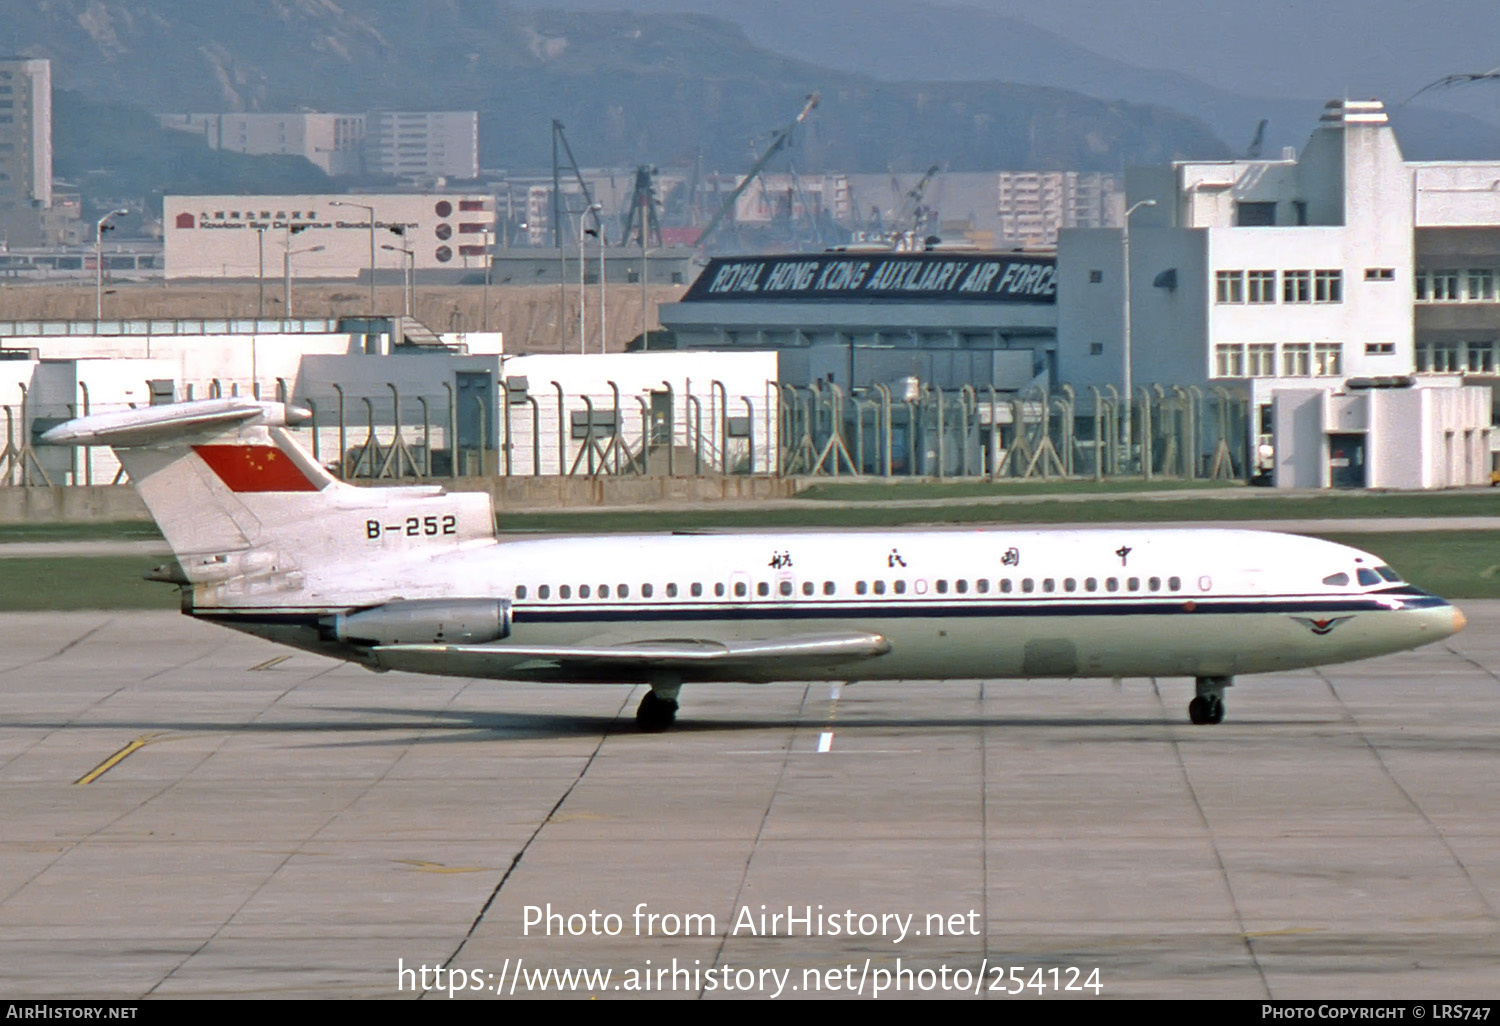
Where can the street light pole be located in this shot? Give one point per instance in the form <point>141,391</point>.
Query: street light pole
<point>406,296</point>
<point>367,207</point>
<point>260,274</point>
<point>583,220</point>
<point>286,270</point>
<point>603,292</point>
<point>489,259</point>
<point>1125,313</point>
<point>99,229</point>
<point>645,303</point>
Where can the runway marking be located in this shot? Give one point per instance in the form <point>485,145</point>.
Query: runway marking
<point>1288,932</point>
<point>438,867</point>
<point>825,741</point>
<point>114,760</point>
<point>270,664</point>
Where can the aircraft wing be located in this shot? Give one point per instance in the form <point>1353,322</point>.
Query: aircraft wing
<point>636,661</point>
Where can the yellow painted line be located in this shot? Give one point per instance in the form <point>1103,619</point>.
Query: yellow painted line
<point>271,664</point>
<point>114,760</point>
<point>438,867</point>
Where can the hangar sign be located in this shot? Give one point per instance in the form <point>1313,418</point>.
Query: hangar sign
<point>986,278</point>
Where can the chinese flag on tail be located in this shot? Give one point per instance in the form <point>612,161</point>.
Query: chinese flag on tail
<point>254,468</point>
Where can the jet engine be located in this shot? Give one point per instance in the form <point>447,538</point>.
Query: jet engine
<point>426,622</point>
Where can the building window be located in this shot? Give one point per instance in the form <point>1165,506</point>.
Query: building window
<point>1095,277</point>
<point>1481,285</point>
<point>1229,360</point>
<point>1328,286</point>
<point>1443,286</point>
<point>1260,359</point>
<point>1229,286</point>
<point>1096,348</point>
<point>1328,359</point>
<point>1296,287</point>
<point>1481,357</point>
<point>1296,359</point>
<point>1380,349</point>
<point>1262,286</point>
<point>1438,357</point>
<point>1380,274</point>
<point>1254,215</point>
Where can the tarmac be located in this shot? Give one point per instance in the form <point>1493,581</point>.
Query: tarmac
<point>189,812</point>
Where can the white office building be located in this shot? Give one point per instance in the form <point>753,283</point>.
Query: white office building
<point>1344,262</point>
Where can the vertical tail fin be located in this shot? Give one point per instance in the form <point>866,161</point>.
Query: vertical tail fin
<point>239,500</point>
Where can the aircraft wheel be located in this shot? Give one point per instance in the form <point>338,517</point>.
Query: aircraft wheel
<point>1215,710</point>
<point>1206,709</point>
<point>655,713</point>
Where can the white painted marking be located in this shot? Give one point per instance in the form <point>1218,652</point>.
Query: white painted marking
<point>825,741</point>
<point>834,692</point>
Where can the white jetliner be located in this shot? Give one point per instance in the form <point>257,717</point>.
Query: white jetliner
<point>413,578</point>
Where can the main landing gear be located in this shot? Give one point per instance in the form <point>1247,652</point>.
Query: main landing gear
<point>1208,706</point>
<point>658,708</point>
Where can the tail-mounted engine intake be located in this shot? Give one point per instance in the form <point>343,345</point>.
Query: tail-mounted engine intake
<point>426,622</point>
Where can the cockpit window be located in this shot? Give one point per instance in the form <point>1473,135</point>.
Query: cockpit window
<point>1336,580</point>
<point>1389,574</point>
<point>1367,576</point>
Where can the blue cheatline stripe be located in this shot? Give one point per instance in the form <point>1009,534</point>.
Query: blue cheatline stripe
<point>794,610</point>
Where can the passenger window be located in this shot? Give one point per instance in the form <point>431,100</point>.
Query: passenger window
<point>942,587</point>
<point>1048,584</point>
<point>565,591</point>
<point>807,587</point>
<point>1336,580</point>
<point>786,587</point>
<point>962,587</point>
<point>982,586</point>
<point>740,589</point>
<point>1111,584</point>
<point>623,591</point>
<point>1134,584</point>
<point>860,587</point>
<point>718,589</point>
<point>899,587</point>
<point>880,587</point>
<point>1174,583</point>
<point>647,591</point>
<point>544,591</point>
<point>762,589</point>
<point>604,591</point>
<point>828,588</point>
<point>672,590</point>
<point>1154,583</point>
<point>583,591</point>
<point>1005,586</point>
<point>1069,584</point>
<point>1090,584</point>
<point>1027,584</point>
<point>520,591</point>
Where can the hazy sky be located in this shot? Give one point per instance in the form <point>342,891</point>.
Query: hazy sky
<point>1290,48</point>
